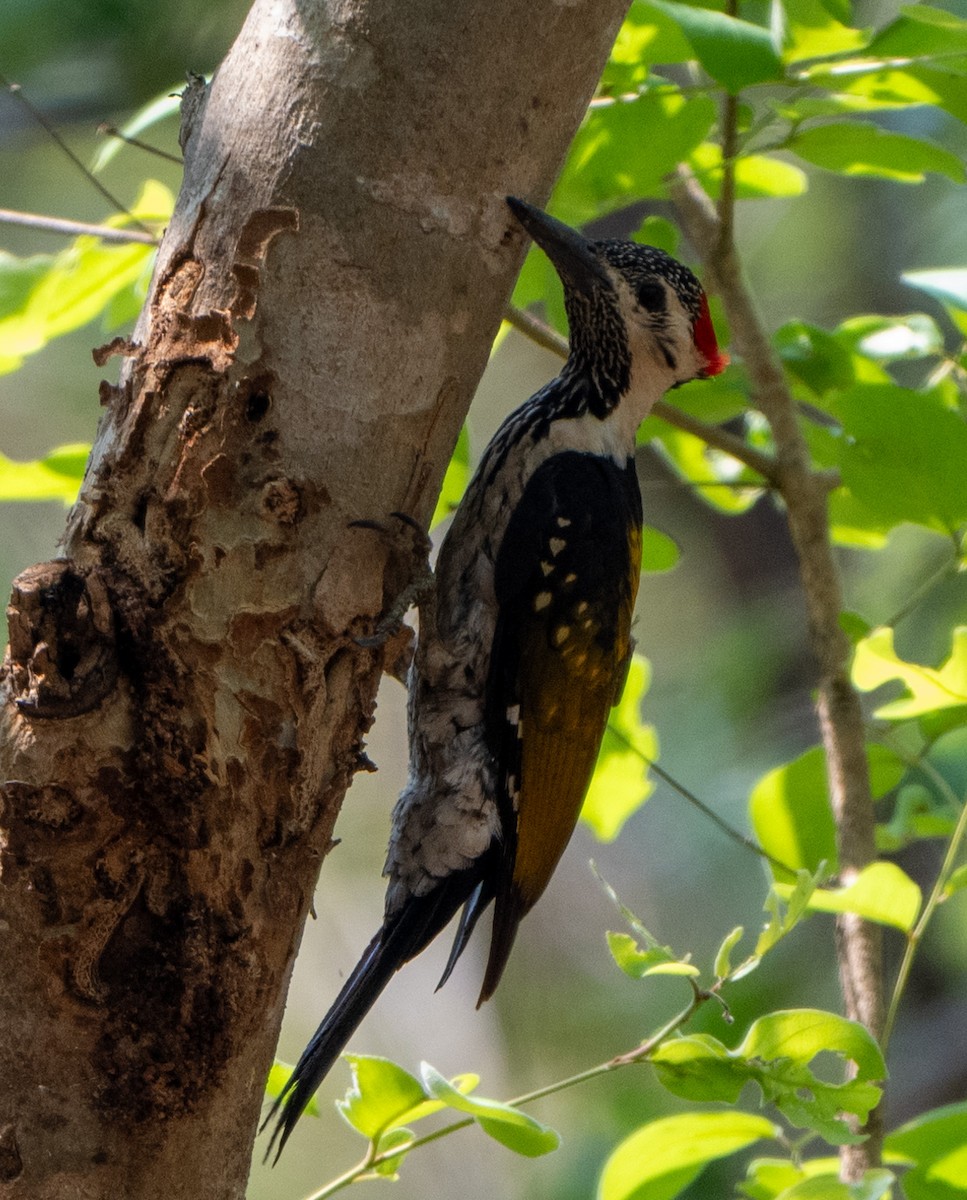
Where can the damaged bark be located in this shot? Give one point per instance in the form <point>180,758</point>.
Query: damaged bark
<point>184,695</point>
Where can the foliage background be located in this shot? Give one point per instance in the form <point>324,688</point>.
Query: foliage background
<point>724,632</point>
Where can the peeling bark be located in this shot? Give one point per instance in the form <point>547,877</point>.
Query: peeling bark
<point>184,696</point>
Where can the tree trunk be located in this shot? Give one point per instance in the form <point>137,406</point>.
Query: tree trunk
<point>184,700</point>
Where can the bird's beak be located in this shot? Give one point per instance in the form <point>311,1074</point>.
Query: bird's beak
<point>571,254</point>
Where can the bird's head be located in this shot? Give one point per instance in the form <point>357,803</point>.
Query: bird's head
<point>632,311</point>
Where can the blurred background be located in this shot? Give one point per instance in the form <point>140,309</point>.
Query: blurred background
<point>724,631</point>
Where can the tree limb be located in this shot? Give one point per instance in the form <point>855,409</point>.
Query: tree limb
<point>859,943</point>
<point>184,700</point>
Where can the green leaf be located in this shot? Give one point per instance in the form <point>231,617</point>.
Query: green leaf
<point>659,1160</point>
<point>917,814</point>
<point>892,339</point>
<point>782,922</point>
<point>656,231</point>
<point>659,552</point>
<point>948,287</point>
<point>380,1096</point>
<point>887,86</point>
<point>386,1143</point>
<point>605,166</point>
<point>735,53</point>
<point>859,148</point>
<point>928,689</point>
<point>646,36</point>
<point>48,297</point>
<point>874,1185</point>
<point>723,958</point>
<point>902,455</point>
<point>921,31</point>
<point>882,892</point>
<point>698,1067</point>
<point>791,814</point>
<point>817,358</point>
<point>637,963</point>
<point>455,480</point>
<point>798,1035</point>
<point>620,785</point>
<point>757,176</point>
<point>512,1128</point>
<point>935,1145</point>
<point>56,477</point>
<point>778,1051</point>
<point>957,882</point>
<point>811,31</point>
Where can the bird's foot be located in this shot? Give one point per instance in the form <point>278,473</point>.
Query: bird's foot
<point>411,559</point>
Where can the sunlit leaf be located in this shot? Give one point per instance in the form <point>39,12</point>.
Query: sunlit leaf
<point>516,1130</point>
<point>646,36</point>
<point>757,176</point>
<point>811,31</point>
<point>874,1185</point>
<point>56,477</point>
<point>659,552</point>
<point>935,1145</point>
<point>882,892</point>
<point>621,785</point>
<point>892,339</point>
<point>46,297</point>
<point>661,1159</point>
<point>908,87</point>
<point>853,148</point>
<point>790,813</point>
<point>656,231</point>
<point>608,162</point>
<point>655,960</point>
<point>380,1096</point>
<point>928,688</point>
<point>723,957</point>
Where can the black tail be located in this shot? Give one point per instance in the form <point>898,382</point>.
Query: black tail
<point>402,937</point>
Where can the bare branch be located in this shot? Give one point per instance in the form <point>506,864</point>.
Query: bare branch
<point>16,91</point>
<point>804,491</point>
<point>106,233</point>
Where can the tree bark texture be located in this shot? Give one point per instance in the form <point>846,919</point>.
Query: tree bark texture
<point>184,701</point>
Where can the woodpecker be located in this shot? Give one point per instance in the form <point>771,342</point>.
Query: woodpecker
<point>525,640</point>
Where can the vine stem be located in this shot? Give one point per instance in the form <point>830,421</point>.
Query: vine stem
<point>804,491</point>
<point>373,1160</point>
<point>933,900</point>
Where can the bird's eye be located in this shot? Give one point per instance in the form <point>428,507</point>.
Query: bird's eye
<point>651,296</point>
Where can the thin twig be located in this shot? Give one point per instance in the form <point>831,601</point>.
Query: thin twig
<point>713,435</point>
<point>936,893</point>
<point>639,1054</point>
<point>106,233</point>
<point>859,943</point>
<point>730,831</point>
<point>16,91</point>
<point>112,131</point>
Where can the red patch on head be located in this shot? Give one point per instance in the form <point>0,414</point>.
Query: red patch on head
<point>716,360</point>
